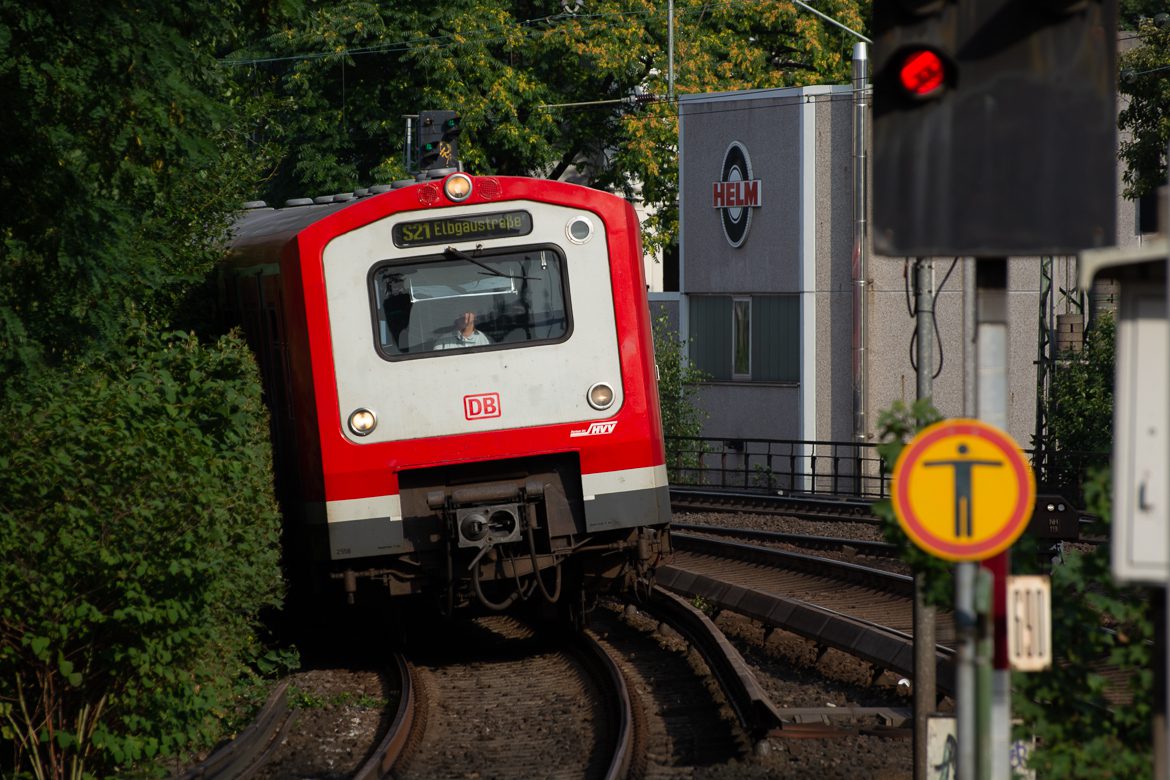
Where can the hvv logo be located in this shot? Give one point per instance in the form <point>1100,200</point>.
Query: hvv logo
<point>481,406</point>
<point>596,429</point>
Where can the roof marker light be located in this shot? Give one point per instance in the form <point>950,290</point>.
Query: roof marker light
<point>457,187</point>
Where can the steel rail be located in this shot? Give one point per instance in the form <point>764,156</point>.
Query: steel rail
<point>240,757</point>
<point>753,707</point>
<point>882,646</point>
<point>876,549</point>
<point>398,733</point>
<point>889,582</point>
<point>794,505</point>
<point>604,667</point>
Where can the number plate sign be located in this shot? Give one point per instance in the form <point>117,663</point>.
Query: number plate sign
<point>1029,623</point>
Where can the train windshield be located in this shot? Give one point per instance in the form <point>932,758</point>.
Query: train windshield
<point>470,300</point>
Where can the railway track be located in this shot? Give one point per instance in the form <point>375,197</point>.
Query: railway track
<point>461,707</point>
<point>500,699</point>
<point>494,697</point>
<point>805,506</point>
<point>865,548</point>
<point>268,747</point>
<point>863,611</point>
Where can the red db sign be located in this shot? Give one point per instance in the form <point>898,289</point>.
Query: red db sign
<point>481,406</point>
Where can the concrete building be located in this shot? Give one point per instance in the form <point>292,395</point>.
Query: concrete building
<point>768,278</point>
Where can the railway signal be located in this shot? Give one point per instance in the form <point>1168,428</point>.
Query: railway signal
<point>438,145</point>
<point>979,107</point>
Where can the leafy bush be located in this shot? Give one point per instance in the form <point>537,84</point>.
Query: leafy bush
<point>1084,725</point>
<point>139,541</point>
<point>896,427</point>
<point>677,385</point>
<point>1080,410</point>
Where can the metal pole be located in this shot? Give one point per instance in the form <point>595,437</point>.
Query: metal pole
<point>670,49</point>
<point>861,247</point>
<point>924,615</point>
<point>965,625</point>
<point>993,688</point>
<point>406,157</point>
<point>1162,659</point>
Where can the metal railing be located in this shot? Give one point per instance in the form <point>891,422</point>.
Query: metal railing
<point>786,466</point>
<point>829,468</point>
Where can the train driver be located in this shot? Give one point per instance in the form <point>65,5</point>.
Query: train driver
<point>463,334</point>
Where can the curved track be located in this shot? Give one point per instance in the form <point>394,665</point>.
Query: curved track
<point>497,698</point>
<point>863,611</point>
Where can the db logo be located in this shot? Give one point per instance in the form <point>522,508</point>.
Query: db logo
<point>482,406</point>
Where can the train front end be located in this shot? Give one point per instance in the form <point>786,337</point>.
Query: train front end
<point>487,411</point>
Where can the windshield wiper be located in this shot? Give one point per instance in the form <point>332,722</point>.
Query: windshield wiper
<point>464,256</point>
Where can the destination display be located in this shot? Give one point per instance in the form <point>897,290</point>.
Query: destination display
<point>505,224</point>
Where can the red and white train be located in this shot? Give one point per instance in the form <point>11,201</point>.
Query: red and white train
<point>421,451</point>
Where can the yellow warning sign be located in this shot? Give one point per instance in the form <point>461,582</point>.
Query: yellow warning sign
<point>962,490</point>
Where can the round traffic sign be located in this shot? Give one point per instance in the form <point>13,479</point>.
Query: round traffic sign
<point>962,490</point>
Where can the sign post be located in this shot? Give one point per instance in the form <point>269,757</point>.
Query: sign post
<point>963,491</point>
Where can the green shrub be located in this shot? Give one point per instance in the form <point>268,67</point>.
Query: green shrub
<point>1085,726</point>
<point>139,541</point>
<point>896,427</point>
<point>678,384</point>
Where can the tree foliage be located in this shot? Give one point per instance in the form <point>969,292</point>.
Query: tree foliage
<point>1086,724</point>
<point>137,525</point>
<point>1082,730</point>
<point>343,75</point>
<point>138,536</point>
<point>896,427</point>
<point>1080,407</point>
<point>678,386</point>
<point>1145,83</point>
<point>121,167</point>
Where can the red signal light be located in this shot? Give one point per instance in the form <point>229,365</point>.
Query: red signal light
<point>922,73</point>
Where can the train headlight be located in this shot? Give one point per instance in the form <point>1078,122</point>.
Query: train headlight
<point>600,396</point>
<point>363,421</point>
<point>457,187</point>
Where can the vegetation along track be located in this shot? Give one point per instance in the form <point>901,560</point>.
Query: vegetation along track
<point>321,723</point>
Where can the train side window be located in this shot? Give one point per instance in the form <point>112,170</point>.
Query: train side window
<point>518,297</point>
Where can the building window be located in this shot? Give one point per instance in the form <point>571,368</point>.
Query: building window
<point>746,338</point>
<point>741,345</point>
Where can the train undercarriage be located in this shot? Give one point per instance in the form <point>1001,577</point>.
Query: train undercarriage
<point>487,538</point>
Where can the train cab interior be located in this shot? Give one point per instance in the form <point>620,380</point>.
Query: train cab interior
<point>518,297</point>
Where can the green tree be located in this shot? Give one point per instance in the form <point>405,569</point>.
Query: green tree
<point>896,427</point>
<point>1080,412</point>
<point>1072,709</point>
<point>1087,725</point>
<point>343,75</point>
<point>121,166</point>
<point>1145,85</point>
<point>137,526</point>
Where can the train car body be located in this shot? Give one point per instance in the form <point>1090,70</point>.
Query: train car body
<point>411,460</point>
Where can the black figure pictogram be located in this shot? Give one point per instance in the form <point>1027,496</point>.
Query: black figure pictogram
<point>964,492</point>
